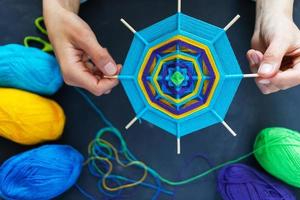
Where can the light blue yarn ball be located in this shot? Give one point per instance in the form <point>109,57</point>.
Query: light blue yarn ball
<point>29,69</point>
<point>40,174</point>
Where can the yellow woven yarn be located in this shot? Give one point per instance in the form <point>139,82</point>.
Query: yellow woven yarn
<point>29,119</point>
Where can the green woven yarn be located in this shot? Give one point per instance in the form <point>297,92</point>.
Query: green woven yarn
<point>278,152</point>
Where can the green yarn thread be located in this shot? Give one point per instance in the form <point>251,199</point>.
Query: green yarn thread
<point>278,151</point>
<point>177,78</point>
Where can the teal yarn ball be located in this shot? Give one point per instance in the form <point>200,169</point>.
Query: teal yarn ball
<point>278,151</point>
<point>29,69</point>
<point>40,174</point>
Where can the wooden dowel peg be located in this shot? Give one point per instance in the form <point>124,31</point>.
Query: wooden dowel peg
<point>120,77</point>
<point>229,128</point>
<point>231,22</point>
<point>138,116</point>
<point>179,6</point>
<point>131,123</point>
<point>128,26</point>
<point>134,31</point>
<point>178,146</point>
<point>250,75</point>
<point>111,77</point>
<point>224,123</point>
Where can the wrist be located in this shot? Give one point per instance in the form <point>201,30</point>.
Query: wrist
<point>58,12</point>
<point>54,16</point>
<point>271,8</point>
<point>67,5</point>
<point>270,11</point>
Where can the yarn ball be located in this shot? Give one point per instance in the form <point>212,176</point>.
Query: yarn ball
<point>29,69</point>
<point>240,182</point>
<point>28,118</point>
<point>278,151</point>
<point>41,173</point>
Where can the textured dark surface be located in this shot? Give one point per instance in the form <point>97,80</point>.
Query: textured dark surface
<point>250,111</point>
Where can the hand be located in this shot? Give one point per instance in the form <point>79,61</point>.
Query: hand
<point>275,53</point>
<point>82,59</point>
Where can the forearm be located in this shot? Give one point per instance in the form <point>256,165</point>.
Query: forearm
<point>70,5</point>
<point>271,7</point>
<point>57,15</point>
<point>269,10</point>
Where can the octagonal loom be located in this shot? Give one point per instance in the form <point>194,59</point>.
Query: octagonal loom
<point>181,74</point>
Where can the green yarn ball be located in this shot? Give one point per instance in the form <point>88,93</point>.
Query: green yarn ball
<point>278,151</point>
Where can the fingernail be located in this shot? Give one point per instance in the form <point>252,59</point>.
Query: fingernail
<point>264,81</point>
<point>110,68</point>
<point>265,69</point>
<point>107,92</point>
<point>266,92</point>
<point>255,59</point>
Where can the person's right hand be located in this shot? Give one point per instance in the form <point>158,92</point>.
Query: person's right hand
<point>75,45</point>
<point>275,53</point>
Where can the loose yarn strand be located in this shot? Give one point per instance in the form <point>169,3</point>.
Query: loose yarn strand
<point>95,108</point>
<point>103,150</point>
<point>129,156</point>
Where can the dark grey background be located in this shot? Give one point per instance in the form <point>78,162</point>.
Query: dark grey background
<point>250,111</point>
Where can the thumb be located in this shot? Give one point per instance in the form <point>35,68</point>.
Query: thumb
<point>100,56</point>
<point>272,59</point>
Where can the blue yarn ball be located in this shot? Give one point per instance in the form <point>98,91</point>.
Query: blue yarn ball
<point>40,174</point>
<point>29,69</point>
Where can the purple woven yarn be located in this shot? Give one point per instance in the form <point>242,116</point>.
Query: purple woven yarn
<point>241,182</point>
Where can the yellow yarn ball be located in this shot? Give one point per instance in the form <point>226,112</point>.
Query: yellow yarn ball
<point>29,119</point>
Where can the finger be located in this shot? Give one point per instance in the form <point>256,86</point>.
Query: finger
<point>107,85</point>
<point>272,89</point>
<point>287,79</point>
<point>85,79</point>
<point>99,55</point>
<point>85,57</point>
<point>254,58</point>
<point>272,59</point>
<point>257,43</point>
<point>260,55</point>
<point>119,67</point>
<point>267,88</point>
<point>91,67</point>
<point>107,92</point>
<point>263,88</point>
<point>96,86</point>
